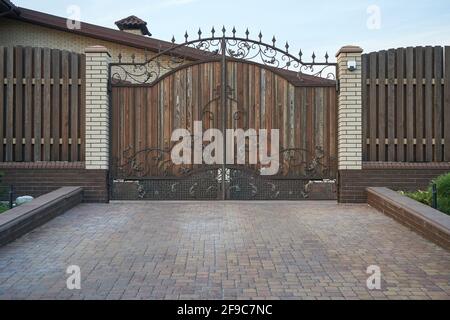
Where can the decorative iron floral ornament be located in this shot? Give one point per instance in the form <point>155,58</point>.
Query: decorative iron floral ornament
<point>294,163</point>
<point>214,47</point>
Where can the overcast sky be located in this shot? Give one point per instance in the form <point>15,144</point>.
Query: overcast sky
<point>324,25</point>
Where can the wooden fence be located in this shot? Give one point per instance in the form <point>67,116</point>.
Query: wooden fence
<point>406,105</point>
<point>42,105</point>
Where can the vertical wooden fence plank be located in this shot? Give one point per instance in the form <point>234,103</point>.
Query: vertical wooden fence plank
<point>429,104</point>
<point>382,106</point>
<point>74,107</point>
<point>437,105</point>
<point>419,105</point>
<point>37,119</point>
<point>9,104</point>
<point>55,104</point>
<point>410,104</point>
<point>46,107</point>
<point>391,105</point>
<point>18,121</point>
<point>373,116</point>
<point>447,104</point>
<point>400,105</point>
<point>2,103</point>
<point>28,104</point>
<point>82,107</point>
<point>65,106</point>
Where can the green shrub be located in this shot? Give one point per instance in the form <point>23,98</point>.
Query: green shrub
<point>443,192</point>
<point>420,196</point>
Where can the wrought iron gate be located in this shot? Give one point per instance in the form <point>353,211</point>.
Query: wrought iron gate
<point>226,82</point>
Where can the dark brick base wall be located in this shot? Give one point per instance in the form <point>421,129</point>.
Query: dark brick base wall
<point>35,181</point>
<point>352,184</point>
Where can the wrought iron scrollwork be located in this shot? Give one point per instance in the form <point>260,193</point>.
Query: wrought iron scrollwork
<point>213,47</point>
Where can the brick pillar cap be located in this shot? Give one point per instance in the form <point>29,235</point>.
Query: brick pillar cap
<point>349,49</point>
<point>96,49</point>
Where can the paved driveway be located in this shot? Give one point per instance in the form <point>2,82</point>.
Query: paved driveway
<point>218,250</point>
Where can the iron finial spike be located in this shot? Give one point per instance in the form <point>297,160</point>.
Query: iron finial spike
<point>287,46</point>
<point>120,57</point>
<point>133,56</point>
<point>326,57</point>
<point>247,33</point>
<point>213,31</point>
<point>186,36</point>
<point>224,30</point>
<point>274,40</point>
<point>199,33</point>
<point>260,36</point>
<point>313,57</point>
<point>173,39</point>
<point>300,54</point>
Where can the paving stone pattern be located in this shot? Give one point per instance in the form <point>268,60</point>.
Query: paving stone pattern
<point>223,250</point>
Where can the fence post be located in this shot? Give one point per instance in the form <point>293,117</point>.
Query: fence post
<point>349,110</point>
<point>97,108</point>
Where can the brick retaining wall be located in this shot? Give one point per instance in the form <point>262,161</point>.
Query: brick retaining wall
<point>352,184</point>
<point>36,179</point>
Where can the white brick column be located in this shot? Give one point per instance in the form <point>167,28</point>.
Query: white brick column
<point>97,108</point>
<point>349,109</point>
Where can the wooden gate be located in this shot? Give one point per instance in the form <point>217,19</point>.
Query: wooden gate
<point>224,89</point>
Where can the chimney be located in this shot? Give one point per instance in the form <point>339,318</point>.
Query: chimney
<point>133,24</point>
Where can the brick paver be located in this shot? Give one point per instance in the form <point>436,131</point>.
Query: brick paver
<point>219,250</point>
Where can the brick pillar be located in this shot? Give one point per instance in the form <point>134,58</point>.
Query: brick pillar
<point>349,117</point>
<point>97,108</point>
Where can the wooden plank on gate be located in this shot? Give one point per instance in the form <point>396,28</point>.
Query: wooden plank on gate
<point>319,110</point>
<point>400,105</point>
<point>365,105</point>
<point>447,104</point>
<point>373,116</point>
<point>410,104</point>
<point>9,104</point>
<point>257,94</point>
<point>65,70</point>
<point>46,107</point>
<point>2,104</point>
<point>391,105</point>
<point>419,104</point>
<point>437,106</point>
<point>74,107</point>
<point>37,116</point>
<point>382,106</point>
<point>28,104</point>
<point>18,123</point>
<point>429,103</point>
<point>55,104</point>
